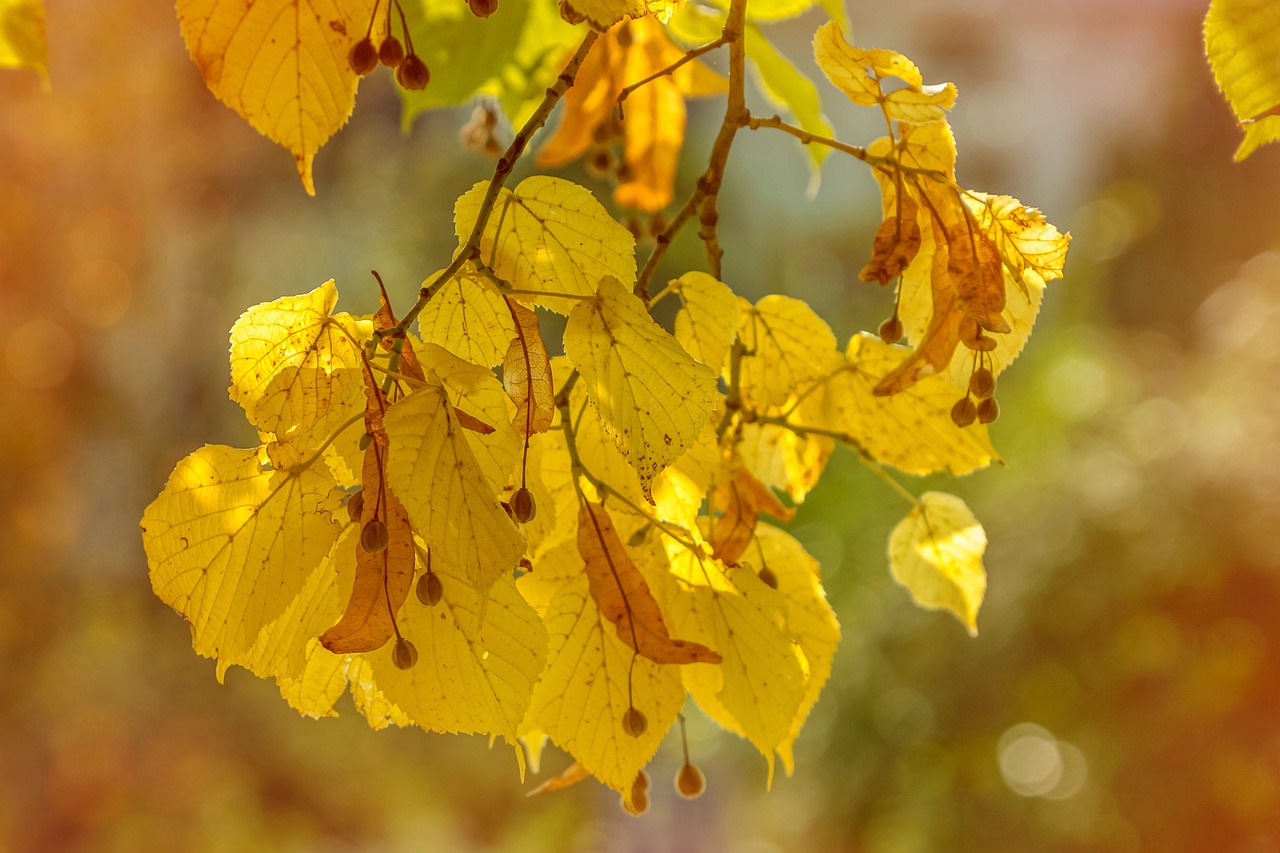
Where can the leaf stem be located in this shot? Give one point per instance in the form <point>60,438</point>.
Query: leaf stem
<point>689,56</point>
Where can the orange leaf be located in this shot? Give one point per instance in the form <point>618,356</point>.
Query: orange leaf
<point>742,499</point>
<point>471,422</point>
<point>897,242</point>
<point>383,578</point>
<point>526,374</point>
<point>572,775</point>
<point>940,339</point>
<point>623,596</point>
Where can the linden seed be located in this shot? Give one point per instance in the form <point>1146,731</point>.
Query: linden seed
<point>769,578</point>
<point>982,383</point>
<point>600,163</point>
<point>624,173</point>
<point>891,330</point>
<point>988,410</point>
<point>634,722</point>
<point>639,803</point>
<point>980,344</point>
<point>430,589</point>
<point>391,53</point>
<point>642,781</point>
<point>374,536</point>
<point>363,57</point>
<point>523,507</point>
<point>690,783</point>
<point>963,412</point>
<point>412,73</point>
<point>483,8</point>
<point>355,507</point>
<point>403,654</point>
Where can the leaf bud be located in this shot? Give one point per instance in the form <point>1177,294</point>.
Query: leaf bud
<point>363,57</point>
<point>412,73</point>
<point>963,412</point>
<point>523,507</point>
<point>891,330</point>
<point>982,383</point>
<point>374,537</point>
<point>429,589</point>
<point>404,654</point>
<point>690,783</point>
<point>391,53</point>
<point>988,410</point>
<point>355,506</point>
<point>634,722</point>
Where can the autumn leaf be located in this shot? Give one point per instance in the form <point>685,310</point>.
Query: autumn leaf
<point>784,460</point>
<point>22,38</point>
<point>231,543</point>
<point>707,321</point>
<point>860,74</point>
<point>526,374</point>
<point>1242,40</point>
<point>623,596</point>
<point>653,397</point>
<point>591,681</point>
<point>451,505</point>
<point>468,316</point>
<point>570,776</point>
<point>758,688</point>
<point>897,240</point>
<point>549,235</point>
<point>911,430</point>
<point>384,566</point>
<point>741,498</point>
<point>294,370</point>
<point>786,345</point>
<point>936,553</point>
<point>281,64</point>
<point>480,651</point>
<point>653,128</point>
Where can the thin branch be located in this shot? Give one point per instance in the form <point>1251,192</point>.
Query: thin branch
<point>776,122</point>
<point>506,164</point>
<point>672,68</point>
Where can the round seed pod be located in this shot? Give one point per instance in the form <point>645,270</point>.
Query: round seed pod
<point>412,72</point>
<point>690,783</point>
<point>634,722</point>
<point>982,383</point>
<point>355,507</point>
<point>363,57</point>
<point>429,589</point>
<point>483,8</point>
<point>391,53</point>
<point>891,330</point>
<point>988,410</point>
<point>769,578</point>
<point>404,654</point>
<point>963,412</point>
<point>374,537</point>
<point>523,507</point>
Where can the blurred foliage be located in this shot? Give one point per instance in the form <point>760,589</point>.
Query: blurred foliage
<point>1122,694</point>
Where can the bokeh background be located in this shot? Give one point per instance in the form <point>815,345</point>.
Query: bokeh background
<point>1122,695</point>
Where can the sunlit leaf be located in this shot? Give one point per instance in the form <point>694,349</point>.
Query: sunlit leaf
<point>860,74</point>
<point>936,553</point>
<point>1242,40</point>
<point>22,38</point>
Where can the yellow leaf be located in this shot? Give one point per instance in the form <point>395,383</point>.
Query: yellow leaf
<point>473,674</point>
<point>281,64</point>
<point>758,688</point>
<point>602,14</point>
<point>468,317</point>
<point>590,683</point>
<point>1242,40</point>
<point>653,397</point>
<point>22,38</point>
<point>526,374</point>
<point>452,506</point>
<point>781,459</point>
<point>231,545</point>
<point>936,553</point>
<point>323,680</point>
<point>679,490</point>
<point>897,241</point>
<point>787,344</point>
<point>859,74</point>
<point>1029,246</point>
<point>653,130</point>
<point>810,620</point>
<point>549,235</point>
<point>741,498</point>
<point>911,430</point>
<point>476,393</point>
<point>623,596</point>
<point>293,369</point>
<point>707,322</point>
<point>572,775</point>
<point>378,710</point>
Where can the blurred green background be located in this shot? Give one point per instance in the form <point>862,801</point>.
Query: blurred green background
<point>1123,693</point>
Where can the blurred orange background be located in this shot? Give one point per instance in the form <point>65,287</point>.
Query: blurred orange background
<point>1123,694</point>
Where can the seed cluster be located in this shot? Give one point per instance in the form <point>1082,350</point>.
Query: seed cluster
<point>365,56</point>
